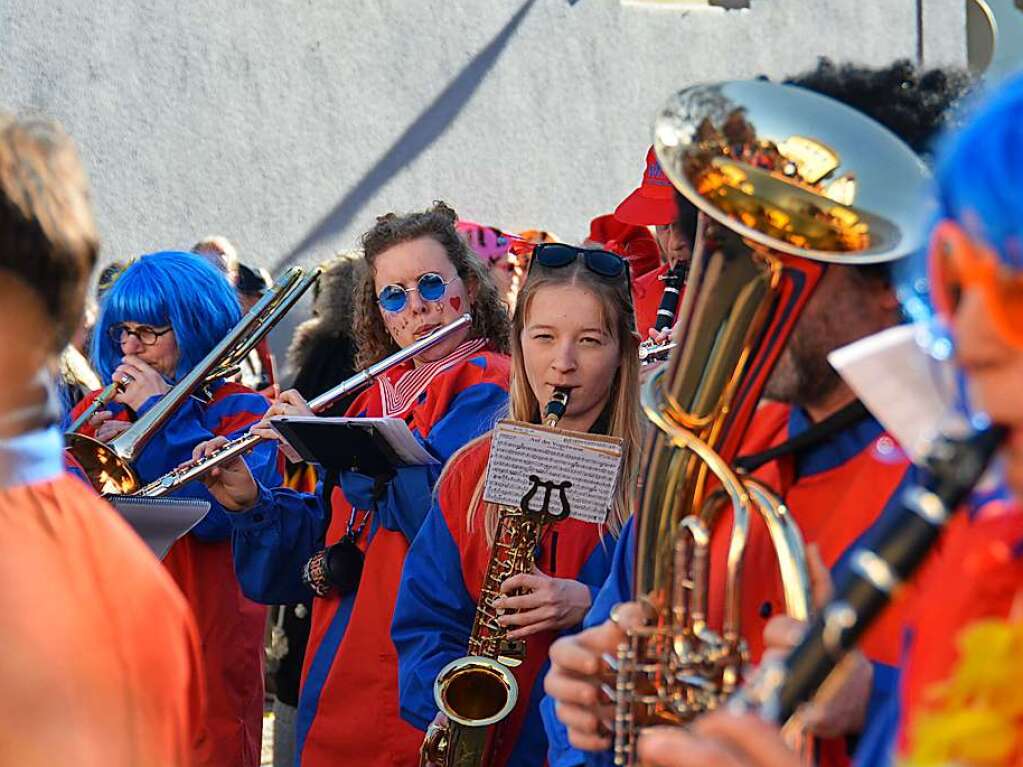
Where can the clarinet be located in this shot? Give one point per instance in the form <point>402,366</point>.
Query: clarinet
<point>951,470</point>
<point>674,279</point>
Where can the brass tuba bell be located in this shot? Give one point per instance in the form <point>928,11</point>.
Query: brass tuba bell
<point>786,181</point>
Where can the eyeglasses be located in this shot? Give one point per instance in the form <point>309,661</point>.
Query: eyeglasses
<point>958,262</point>
<point>600,262</point>
<point>146,335</point>
<point>430,286</point>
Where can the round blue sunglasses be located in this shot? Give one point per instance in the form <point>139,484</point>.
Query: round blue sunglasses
<point>430,286</point>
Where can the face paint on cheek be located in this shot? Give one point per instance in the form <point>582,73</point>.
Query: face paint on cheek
<point>456,303</point>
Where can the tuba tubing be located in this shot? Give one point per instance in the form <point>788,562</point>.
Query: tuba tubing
<point>786,182</point>
<point>183,475</point>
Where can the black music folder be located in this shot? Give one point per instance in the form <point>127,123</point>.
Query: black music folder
<point>368,445</point>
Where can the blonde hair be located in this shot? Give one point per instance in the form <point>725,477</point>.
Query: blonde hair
<point>624,421</point>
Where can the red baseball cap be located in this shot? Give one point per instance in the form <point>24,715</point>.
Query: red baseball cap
<point>653,204</point>
<point>633,243</point>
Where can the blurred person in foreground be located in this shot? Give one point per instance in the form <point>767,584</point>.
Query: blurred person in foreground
<point>100,663</point>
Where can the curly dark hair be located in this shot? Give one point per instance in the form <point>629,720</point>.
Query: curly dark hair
<point>489,317</point>
<point>912,103</point>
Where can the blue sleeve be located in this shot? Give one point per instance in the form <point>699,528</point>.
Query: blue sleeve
<point>191,424</point>
<point>433,617</point>
<point>877,744</point>
<point>272,541</point>
<point>408,495</point>
<point>618,585</point>
<point>615,588</point>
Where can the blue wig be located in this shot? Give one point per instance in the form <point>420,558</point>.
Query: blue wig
<point>170,288</point>
<point>980,174</point>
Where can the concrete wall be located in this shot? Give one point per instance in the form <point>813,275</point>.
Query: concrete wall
<point>288,125</point>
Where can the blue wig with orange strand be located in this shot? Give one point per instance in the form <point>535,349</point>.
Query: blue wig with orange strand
<point>169,288</point>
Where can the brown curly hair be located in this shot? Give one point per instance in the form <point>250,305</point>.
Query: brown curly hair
<point>489,317</point>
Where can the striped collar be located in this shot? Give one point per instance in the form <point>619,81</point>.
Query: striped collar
<point>398,397</point>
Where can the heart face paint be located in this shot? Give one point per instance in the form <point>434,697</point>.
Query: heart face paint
<point>456,303</point>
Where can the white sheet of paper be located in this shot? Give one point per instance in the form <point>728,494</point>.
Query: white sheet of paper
<point>160,521</point>
<point>590,462</point>
<point>899,383</point>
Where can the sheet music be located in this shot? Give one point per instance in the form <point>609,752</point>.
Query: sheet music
<point>901,385</point>
<point>590,462</point>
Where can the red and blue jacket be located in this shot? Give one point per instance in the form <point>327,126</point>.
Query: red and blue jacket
<point>348,705</point>
<point>440,588</point>
<point>836,490</point>
<point>230,626</point>
<point>975,576</point>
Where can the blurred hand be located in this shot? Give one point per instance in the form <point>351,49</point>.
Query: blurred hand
<point>105,427</point>
<point>146,382</point>
<point>577,670</point>
<point>231,482</point>
<point>658,337</point>
<point>719,739</point>
<point>547,604</point>
<point>289,403</point>
<point>842,709</point>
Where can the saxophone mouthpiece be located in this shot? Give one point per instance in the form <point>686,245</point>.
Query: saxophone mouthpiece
<point>555,409</point>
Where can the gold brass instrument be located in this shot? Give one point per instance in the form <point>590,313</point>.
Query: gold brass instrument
<point>104,398</point>
<point>109,465</point>
<point>786,181</point>
<point>477,692</point>
<point>183,475</point>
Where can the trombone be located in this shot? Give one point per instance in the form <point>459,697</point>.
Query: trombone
<point>109,465</point>
<point>183,475</point>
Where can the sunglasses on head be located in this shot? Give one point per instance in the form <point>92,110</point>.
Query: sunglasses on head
<point>430,286</point>
<point>600,262</point>
<point>958,262</point>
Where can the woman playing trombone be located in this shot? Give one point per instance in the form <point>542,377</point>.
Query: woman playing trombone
<point>164,314</point>
<point>420,277</point>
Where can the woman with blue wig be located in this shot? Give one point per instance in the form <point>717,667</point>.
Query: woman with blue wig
<point>162,316</point>
<point>959,700</point>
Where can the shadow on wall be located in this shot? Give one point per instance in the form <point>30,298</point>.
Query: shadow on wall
<point>426,129</point>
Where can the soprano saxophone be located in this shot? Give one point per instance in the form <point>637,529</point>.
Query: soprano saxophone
<point>478,691</point>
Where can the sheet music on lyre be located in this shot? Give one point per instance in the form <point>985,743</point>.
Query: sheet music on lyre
<point>590,463</point>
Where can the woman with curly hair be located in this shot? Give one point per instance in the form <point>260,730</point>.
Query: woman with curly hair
<point>420,276</point>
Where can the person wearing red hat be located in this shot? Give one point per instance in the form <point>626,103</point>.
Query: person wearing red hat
<point>654,204</point>
<point>633,243</point>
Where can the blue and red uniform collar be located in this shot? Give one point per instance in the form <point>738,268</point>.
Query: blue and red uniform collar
<point>838,448</point>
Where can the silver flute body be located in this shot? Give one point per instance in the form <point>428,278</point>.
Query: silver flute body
<point>178,478</point>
